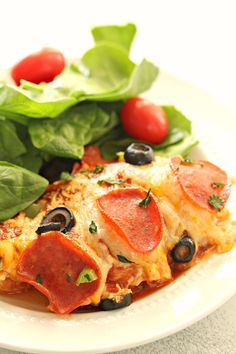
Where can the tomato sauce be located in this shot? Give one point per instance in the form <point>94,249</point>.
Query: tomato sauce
<point>33,299</point>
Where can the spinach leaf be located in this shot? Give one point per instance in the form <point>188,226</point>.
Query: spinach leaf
<point>120,35</point>
<point>32,159</point>
<point>179,140</point>
<point>18,189</point>
<point>10,145</point>
<point>67,135</point>
<point>12,148</point>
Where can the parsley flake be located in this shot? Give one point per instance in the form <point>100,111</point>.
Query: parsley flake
<point>39,279</point>
<point>97,169</point>
<point>93,227</point>
<point>218,184</point>
<point>111,181</point>
<point>68,278</point>
<point>216,202</point>
<point>200,164</point>
<point>123,259</point>
<point>146,201</point>
<point>86,276</point>
<point>188,161</point>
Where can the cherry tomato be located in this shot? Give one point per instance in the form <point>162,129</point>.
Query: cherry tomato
<point>144,120</point>
<point>39,67</point>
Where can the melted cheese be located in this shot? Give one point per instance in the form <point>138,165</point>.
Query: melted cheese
<point>80,195</point>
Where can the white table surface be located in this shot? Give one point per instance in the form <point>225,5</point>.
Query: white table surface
<point>194,40</point>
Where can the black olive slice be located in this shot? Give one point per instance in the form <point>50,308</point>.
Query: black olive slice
<point>52,226</point>
<point>184,250</point>
<point>115,303</point>
<point>62,216</point>
<point>139,154</point>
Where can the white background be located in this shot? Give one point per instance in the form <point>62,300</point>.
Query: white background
<point>195,40</point>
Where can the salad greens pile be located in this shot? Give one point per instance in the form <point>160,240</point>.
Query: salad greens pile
<point>79,107</point>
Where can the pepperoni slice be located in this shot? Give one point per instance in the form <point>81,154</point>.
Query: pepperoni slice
<point>52,264</point>
<point>204,183</point>
<point>141,227</point>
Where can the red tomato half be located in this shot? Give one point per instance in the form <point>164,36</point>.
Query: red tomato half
<point>144,120</point>
<point>39,67</point>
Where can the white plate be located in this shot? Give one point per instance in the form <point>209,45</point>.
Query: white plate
<point>26,327</point>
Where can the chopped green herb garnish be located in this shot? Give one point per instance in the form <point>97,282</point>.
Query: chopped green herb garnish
<point>218,184</point>
<point>188,161</point>
<point>39,279</point>
<point>93,227</point>
<point>97,169</point>
<point>216,202</point>
<point>123,259</point>
<point>68,278</point>
<point>111,181</point>
<point>67,176</point>
<point>200,164</point>
<point>86,276</point>
<point>146,201</point>
<point>32,210</point>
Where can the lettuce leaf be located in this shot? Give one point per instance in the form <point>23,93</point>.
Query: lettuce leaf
<point>79,107</point>
<point>104,73</point>
<point>47,102</point>
<point>120,35</point>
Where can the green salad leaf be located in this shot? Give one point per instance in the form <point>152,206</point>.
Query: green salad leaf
<point>79,107</point>
<point>116,78</point>
<point>67,135</point>
<point>179,140</point>
<point>10,144</point>
<point>31,103</point>
<point>120,35</point>
<point>16,146</point>
<point>19,188</point>
<point>104,73</point>
<point>32,159</point>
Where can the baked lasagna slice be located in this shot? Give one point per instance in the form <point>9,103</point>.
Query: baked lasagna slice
<point>115,229</point>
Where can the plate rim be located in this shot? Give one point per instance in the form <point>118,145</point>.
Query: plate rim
<point>219,301</point>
